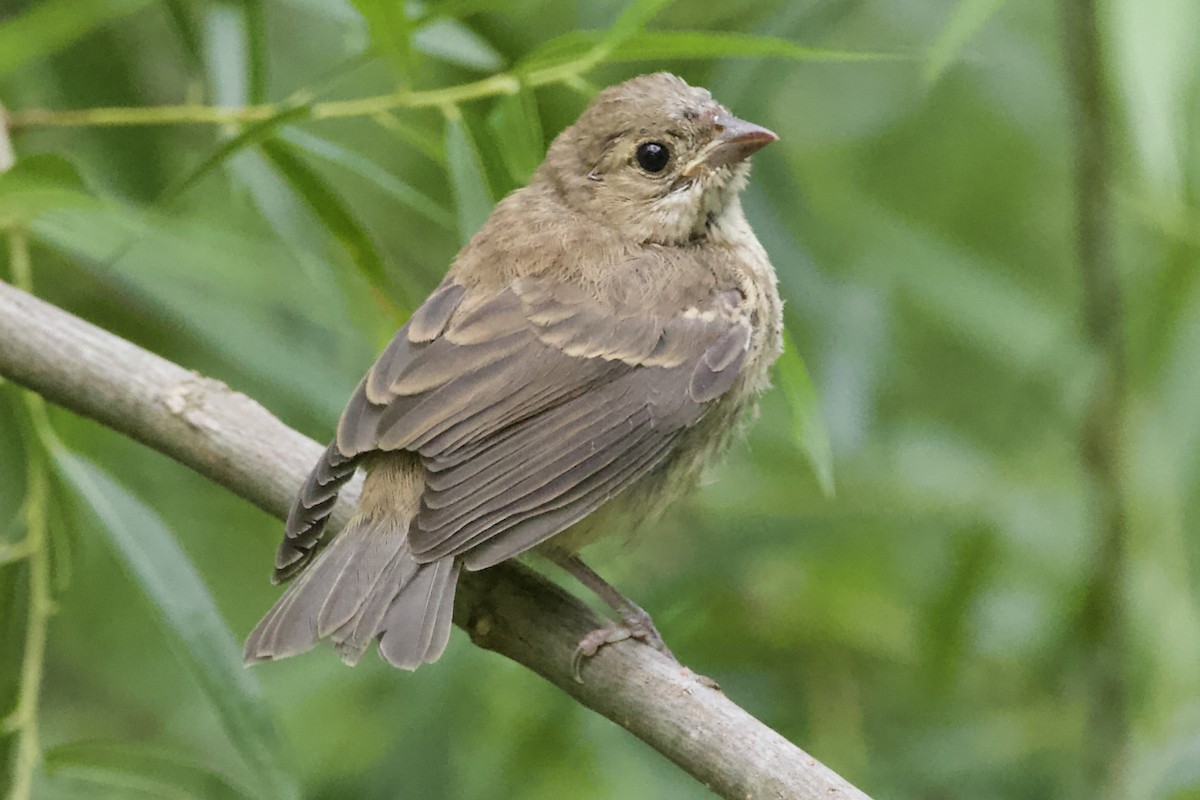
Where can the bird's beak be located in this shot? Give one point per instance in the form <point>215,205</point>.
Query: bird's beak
<point>735,141</point>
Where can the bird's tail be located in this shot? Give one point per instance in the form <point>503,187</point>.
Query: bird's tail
<point>365,585</point>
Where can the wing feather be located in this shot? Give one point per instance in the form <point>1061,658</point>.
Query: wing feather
<point>532,407</point>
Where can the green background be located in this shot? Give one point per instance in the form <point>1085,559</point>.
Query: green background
<point>926,631</point>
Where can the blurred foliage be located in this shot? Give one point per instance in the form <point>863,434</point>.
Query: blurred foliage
<point>921,632</point>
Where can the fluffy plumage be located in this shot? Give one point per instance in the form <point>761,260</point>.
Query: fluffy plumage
<point>590,348</point>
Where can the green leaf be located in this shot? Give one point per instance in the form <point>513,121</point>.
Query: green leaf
<point>469,183</point>
<point>458,9</point>
<point>808,430</point>
<point>37,184</point>
<point>367,169</point>
<point>559,50</point>
<point>680,45</point>
<point>63,541</point>
<point>455,43</point>
<point>256,49</point>
<point>598,44</point>
<point>235,292</point>
<point>653,45</point>
<point>390,29</point>
<point>968,18</point>
<point>190,619</point>
<point>982,305</point>
<point>180,17</point>
<point>251,135</point>
<point>341,11</point>
<point>631,21</point>
<point>429,144</point>
<point>137,769</point>
<point>518,129</point>
<point>47,27</point>
<point>1152,63</point>
<point>332,211</point>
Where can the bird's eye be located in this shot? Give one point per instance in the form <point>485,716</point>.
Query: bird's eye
<point>653,156</point>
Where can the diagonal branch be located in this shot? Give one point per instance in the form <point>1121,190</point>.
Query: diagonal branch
<point>234,441</point>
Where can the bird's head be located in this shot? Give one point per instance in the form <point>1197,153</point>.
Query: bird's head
<point>658,159</point>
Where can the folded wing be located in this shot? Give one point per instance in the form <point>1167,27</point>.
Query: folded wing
<point>532,407</point>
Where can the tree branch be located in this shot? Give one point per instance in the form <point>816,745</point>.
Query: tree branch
<point>509,609</point>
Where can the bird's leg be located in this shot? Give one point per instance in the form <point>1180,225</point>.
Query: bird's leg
<point>635,622</point>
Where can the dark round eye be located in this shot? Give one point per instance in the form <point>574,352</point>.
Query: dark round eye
<point>653,156</point>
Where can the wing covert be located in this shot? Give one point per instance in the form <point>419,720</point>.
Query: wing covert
<point>532,407</point>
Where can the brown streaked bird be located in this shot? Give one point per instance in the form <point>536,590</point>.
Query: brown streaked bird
<point>589,351</point>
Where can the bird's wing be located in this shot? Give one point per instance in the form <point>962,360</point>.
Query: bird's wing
<point>533,407</point>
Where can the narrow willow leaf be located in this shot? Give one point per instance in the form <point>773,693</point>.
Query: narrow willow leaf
<point>228,289</point>
<point>653,45</point>
<point>136,769</point>
<point>680,45</point>
<point>254,14</point>
<point>808,429</point>
<point>341,11</point>
<point>968,18</point>
<point>63,541</point>
<point>429,144</point>
<point>47,27</point>
<point>468,179</point>
<point>252,135</point>
<point>180,17</point>
<point>983,305</point>
<point>455,43</point>
<point>631,21</point>
<point>332,211</point>
<point>457,9</point>
<point>1152,61</point>
<point>38,184</point>
<point>404,193</point>
<point>572,46</point>
<point>518,130</point>
<point>390,29</point>
<point>226,54</point>
<point>190,620</point>
<point>559,50</point>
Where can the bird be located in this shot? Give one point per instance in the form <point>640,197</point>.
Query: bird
<point>591,349</point>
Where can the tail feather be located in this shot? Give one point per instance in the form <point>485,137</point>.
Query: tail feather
<point>379,546</point>
<point>416,628</point>
<point>354,635</point>
<point>365,586</point>
<point>444,620</point>
<point>310,513</point>
<point>290,627</point>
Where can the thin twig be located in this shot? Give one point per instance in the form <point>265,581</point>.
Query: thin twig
<point>1103,621</point>
<point>34,547</point>
<point>24,718</point>
<point>192,114</point>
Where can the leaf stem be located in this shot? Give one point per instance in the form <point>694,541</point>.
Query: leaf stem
<point>191,114</point>
<point>34,549</point>
<point>1103,623</point>
<point>24,718</point>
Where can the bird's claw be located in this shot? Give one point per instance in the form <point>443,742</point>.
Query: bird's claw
<point>590,644</point>
<point>634,627</point>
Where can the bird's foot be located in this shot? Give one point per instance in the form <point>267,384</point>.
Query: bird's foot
<point>635,622</point>
<point>635,625</point>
